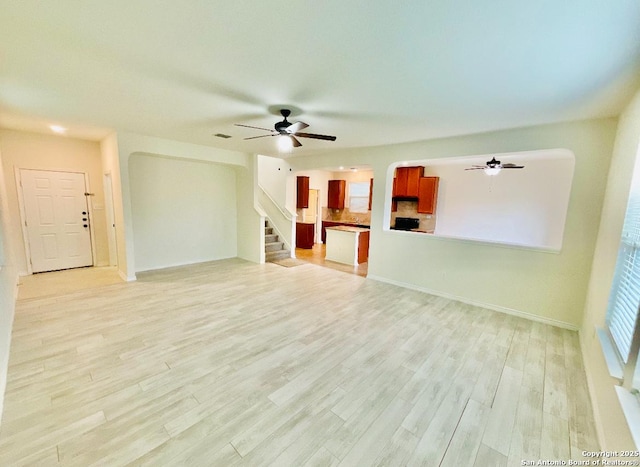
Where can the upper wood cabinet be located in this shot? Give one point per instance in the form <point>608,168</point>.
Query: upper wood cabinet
<point>428,194</point>
<point>302,192</point>
<point>336,192</point>
<point>407,180</point>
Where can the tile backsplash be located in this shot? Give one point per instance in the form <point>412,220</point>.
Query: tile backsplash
<point>344,215</point>
<point>410,209</point>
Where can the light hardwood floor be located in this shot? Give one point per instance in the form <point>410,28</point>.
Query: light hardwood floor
<point>232,363</point>
<point>316,255</point>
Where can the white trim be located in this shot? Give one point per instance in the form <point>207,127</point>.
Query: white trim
<point>126,278</point>
<point>286,213</point>
<point>107,181</point>
<point>501,244</point>
<point>631,410</point>
<point>23,216</point>
<point>610,355</point>
<point>501,309</point>
<point>177,265</point>
<point>89,204</point>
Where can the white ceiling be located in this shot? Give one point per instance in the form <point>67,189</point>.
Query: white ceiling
<point>370,73</point>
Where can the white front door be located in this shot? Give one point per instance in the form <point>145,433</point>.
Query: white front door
<point>57,219</point>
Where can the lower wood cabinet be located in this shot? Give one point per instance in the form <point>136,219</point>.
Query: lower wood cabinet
<point>363,247</point>
<point>305,234</point>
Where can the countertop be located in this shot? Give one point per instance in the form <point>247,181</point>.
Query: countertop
<point>347,222</point>
<point>347,228</point>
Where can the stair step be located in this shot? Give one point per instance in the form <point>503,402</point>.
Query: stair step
<point>278,254</point>
<point>268,230</point>
<point>273,246</point>
<point>270,238</point>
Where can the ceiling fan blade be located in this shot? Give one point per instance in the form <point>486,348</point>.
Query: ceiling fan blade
<point>296,127</point>
<point>254,127</point>
<point>512,166</point>
<point>261,136</point>
<point>315,136</point>
<point>476,168</point>
<point>296,143</point>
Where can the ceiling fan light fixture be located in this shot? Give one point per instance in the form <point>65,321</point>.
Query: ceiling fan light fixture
<point>285,143</point>
<point>492,170</point>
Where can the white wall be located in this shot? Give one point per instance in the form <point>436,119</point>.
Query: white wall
<point>274,176</point>
<point>129,144</point>
<point>547,286</point>
<point>318,180</point>
<point>183,211</point>
<point>613,430</point>
<point>250,226</point>
<point>518,206</point>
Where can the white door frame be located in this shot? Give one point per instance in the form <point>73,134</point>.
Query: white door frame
<point>111,219</point>
<point>23,214</point>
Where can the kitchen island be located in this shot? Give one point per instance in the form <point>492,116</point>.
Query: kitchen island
<point>347,245</point>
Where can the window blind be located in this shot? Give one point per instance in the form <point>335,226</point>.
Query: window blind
<point>624,300</point>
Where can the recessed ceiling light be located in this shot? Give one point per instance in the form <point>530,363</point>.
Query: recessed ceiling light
<point>58,129</point>
<point>341,167</point>
<point>353,169</point>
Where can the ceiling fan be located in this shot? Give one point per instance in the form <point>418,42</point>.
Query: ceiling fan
<point>286,128</point>
<point>493,167</point>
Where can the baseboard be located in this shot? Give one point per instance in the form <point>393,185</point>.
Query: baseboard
<point>489,306</point>
<point>189,263</point>
<point>124,276</point>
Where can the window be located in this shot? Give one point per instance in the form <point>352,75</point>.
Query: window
<point>624,300</point>
<point>359,197</point>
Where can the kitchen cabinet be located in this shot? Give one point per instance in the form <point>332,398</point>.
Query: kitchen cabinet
<point>406,182</point>
<point>305,235</point>
<point>302,192</point>
<point>428,194</point>
<point>336,193</point>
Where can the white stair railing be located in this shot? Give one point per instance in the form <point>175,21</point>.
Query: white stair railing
<point>281,219</point>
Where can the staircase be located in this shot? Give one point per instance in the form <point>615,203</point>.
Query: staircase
<point>274,249</point>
